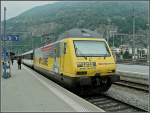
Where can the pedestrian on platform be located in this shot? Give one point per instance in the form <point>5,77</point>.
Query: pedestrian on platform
<point>19,63</point>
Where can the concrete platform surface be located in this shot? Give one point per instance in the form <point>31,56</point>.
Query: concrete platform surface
<point>27,90</point>
<point>141,71</point>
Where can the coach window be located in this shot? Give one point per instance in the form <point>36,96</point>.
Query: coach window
<point>55,52</point>
<point>65,48</point>
<point>61,49</point>
<point>58,50</point>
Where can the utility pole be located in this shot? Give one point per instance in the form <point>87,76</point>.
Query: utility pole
<point>4,25</point>
<point>107,36</point>
<point>148,39</point>
<point>32,41</point>
<point>0,56</point>
<point>113,33</point>
<point>0,48</point>
<point>108,29</point>
<point>121,40</point>
<point>133,38</point>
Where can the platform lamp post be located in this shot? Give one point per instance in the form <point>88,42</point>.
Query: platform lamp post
<point>5,52</point>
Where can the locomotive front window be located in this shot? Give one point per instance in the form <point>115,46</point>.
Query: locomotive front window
<point>91,48</point>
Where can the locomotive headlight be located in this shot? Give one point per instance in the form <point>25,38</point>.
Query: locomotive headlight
<point>94,64</point>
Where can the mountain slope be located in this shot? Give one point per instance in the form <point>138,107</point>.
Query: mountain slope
<point>96,15</point>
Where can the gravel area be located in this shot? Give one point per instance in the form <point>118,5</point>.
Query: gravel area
<point>130,96</point>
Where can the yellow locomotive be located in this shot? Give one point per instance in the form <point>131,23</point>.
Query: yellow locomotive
<point>77,61</point>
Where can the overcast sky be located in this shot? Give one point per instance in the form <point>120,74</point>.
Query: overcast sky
<point>15,8</point>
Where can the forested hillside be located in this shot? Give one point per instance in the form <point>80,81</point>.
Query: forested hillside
<point>103,17</point>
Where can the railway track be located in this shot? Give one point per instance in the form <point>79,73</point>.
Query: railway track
<point>111,105</point>
<point>137,86</point>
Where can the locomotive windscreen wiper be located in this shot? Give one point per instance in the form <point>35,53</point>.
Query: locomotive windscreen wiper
<point>104,55</point>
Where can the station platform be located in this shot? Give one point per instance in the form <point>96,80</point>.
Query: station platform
<point>134,73</point>
<point>28,91</point>
<point>134,69</point>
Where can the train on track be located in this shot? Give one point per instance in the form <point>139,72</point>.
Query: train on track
<point>78,58</point>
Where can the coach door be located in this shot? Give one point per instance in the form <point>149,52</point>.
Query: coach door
<point>62,56</point>
<point>56,59</point>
